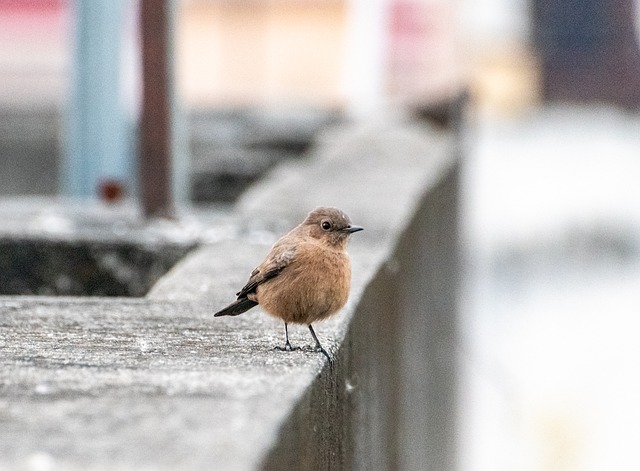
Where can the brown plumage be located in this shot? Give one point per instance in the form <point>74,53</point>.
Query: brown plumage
<point>306,275</point>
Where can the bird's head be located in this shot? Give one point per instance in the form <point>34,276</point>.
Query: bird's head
<point>330,225</point>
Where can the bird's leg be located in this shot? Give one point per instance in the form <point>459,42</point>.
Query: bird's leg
<point>318,347</point>
<point>287,345</point>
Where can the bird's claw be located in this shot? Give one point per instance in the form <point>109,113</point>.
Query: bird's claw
<point>320,349</point>
<point>317,349</point>
<point>287,348</point>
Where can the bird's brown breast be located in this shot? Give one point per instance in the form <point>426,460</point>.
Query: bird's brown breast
<point>314,286</point>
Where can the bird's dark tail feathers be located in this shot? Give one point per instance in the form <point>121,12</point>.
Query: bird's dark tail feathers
<point>237,307</point>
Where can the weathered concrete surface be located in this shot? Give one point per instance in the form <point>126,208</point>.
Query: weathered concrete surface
<point>157,383</point>
<point>133,384</point>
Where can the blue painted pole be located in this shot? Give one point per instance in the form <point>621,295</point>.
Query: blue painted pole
<point>100,146</point>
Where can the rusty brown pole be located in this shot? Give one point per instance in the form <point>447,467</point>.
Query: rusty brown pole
<point>154,160</point>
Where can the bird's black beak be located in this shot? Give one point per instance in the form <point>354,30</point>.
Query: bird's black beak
<point>351,229</point>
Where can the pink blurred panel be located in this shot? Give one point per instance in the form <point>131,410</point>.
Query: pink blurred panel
<point>32,6</point>
<point>33,20</point>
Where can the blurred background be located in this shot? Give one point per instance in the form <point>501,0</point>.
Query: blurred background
<point>551,138</point>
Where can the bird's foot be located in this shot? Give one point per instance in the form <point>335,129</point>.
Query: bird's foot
<point>316,349</point>
<point>319,349</point>
<point>287,347</point>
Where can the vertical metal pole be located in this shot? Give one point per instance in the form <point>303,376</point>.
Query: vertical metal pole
<point>99,130</point>
<point>155,170</point>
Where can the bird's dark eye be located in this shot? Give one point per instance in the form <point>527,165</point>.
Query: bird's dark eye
<point>326,225</point>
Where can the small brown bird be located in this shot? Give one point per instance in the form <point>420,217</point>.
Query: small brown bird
<point>305,277</point>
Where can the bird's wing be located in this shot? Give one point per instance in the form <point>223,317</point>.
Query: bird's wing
<point>280,257</point>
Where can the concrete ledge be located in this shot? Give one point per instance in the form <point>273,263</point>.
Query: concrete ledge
<point>157,383</point>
